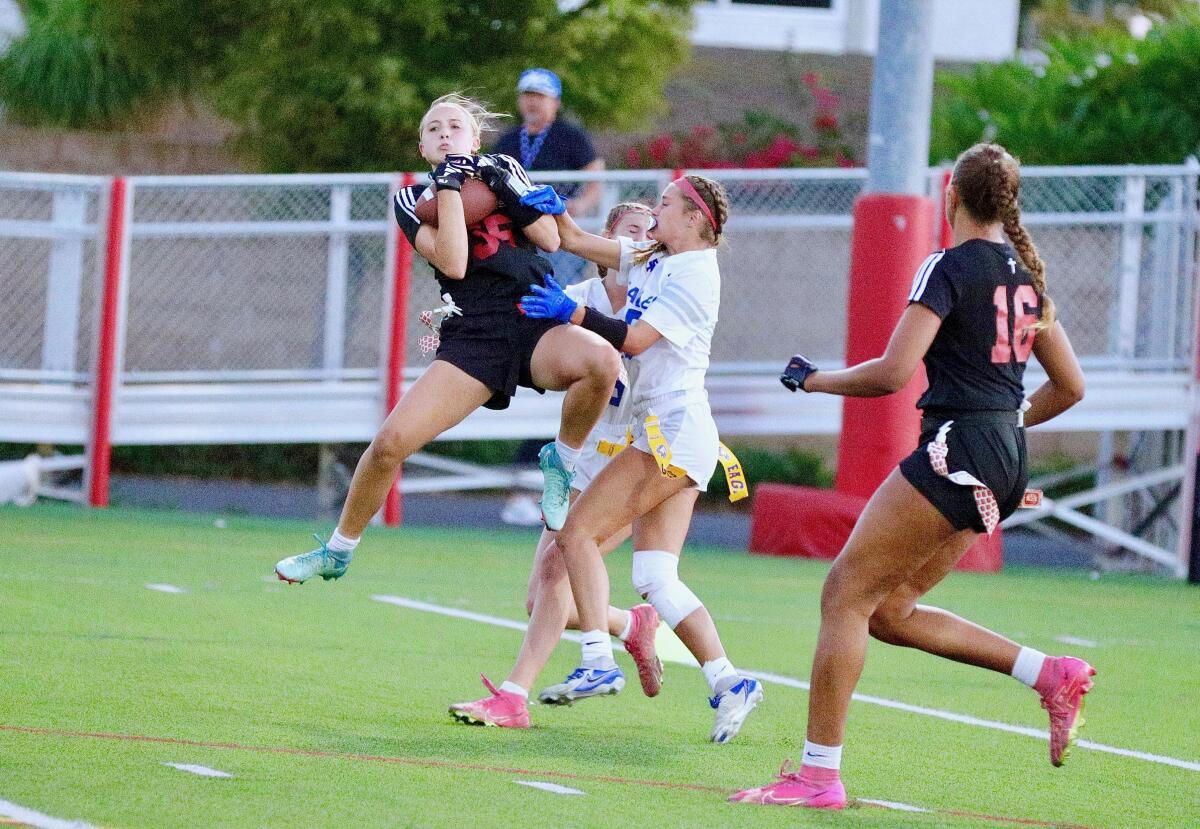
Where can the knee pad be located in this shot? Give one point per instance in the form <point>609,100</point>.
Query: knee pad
<point>656,576</point>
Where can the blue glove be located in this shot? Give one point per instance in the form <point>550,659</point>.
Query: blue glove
<point>550,302</point>
<point>544,200</point>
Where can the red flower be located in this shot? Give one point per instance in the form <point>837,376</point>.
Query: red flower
<point>660,148</point>
<point>825,122</point>
<point>740,138</point>
<point>811,78</point>
<point>633,158</point>
<point>842,161</point>
<point>780,150</point>
<point>810,152</point>
<point>757,160</point>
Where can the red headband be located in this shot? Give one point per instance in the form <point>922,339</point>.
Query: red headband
<point>689,190</point>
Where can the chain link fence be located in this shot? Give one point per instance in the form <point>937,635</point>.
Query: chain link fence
<point>285,277</point>
<point>51,243</point>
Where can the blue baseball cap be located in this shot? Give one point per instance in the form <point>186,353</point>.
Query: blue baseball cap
<point>542,81</point>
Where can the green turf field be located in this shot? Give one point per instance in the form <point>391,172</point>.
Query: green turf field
<point>329,708</point>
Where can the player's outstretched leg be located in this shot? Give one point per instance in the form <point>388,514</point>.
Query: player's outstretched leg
<point>501,708</point>
<point>323,562</point>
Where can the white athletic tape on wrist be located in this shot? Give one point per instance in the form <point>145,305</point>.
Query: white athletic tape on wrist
<point>656,577</point>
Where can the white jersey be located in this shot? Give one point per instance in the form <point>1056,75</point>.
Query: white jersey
<point>591,293</point>
<point>679,295</point>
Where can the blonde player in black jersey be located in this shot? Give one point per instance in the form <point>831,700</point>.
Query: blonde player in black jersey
<point>488,347</point>
<point>976,311</point>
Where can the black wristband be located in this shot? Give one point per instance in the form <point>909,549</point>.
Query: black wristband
<point>447,182</point>
<point>614,331</point>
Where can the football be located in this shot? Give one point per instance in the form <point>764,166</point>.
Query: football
<point>479,202</point>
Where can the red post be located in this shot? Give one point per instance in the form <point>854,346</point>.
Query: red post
<point>946,234</point>
<point>100,450</point>
<point>401,280</point>
<point>890,240</point>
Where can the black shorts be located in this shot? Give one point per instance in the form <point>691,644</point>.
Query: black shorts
<point>988,445</point>
<point>495,349</point>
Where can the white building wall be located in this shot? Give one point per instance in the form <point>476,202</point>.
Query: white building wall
<point>964,30</point>
<point>12,25</point>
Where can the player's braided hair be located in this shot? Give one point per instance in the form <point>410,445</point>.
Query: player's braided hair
<point>715,199</point>
<point>614,216</point>
<point>481,117</point>
<point>988,181</point>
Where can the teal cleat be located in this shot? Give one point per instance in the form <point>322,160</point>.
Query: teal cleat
<point>322,562</point>
<point>556,491</point>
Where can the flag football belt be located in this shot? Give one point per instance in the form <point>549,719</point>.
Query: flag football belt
<point>985,499</point>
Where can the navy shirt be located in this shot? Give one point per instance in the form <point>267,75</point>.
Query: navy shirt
<point>566,147</point>
<point>501,263</point>
<point>988,308</point>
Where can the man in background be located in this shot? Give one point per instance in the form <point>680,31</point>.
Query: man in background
<point>546,142</point>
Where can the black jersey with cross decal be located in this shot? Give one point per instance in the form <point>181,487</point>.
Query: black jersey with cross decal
<point>988,308</point>
<point>501,260</point>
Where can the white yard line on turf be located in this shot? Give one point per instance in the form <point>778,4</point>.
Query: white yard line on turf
<point>203,771</point>
<point>790,682</point>
<point>29,817</point>
<point>553,788</point>
<point>165,588</point>
<point>1075,640</point>
<point>889,804</point>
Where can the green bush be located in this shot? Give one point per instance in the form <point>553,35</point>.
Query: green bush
<point>1101,98</point>
<point>64,73</point>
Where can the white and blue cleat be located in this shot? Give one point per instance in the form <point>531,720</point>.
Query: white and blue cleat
<point>584,683</point>
<point>733,705</point>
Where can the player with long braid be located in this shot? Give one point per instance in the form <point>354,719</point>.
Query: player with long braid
<point>487,347</point>
<point>976,311</point>
<point>674,294</point>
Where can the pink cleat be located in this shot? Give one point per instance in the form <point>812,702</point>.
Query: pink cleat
<point>791,790</point>
<point>1061,685</point>
<point>640,646</point>
<point>502,708</point>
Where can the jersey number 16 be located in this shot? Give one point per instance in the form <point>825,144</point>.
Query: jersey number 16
<point>1020,335</point>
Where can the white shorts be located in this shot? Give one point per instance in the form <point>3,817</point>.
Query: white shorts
<point>692,434</point>
<point>591,461</point>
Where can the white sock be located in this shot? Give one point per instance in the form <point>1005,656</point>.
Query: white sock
<point>514,688</point>
<point>597,648</point>
<point>825,757</point>
<point>338,543</point>
<point>1028,666</point>
<point>568,455</point>
<point>628,626</point>
<point>720,674</point>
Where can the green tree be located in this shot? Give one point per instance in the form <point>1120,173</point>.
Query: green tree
<point>342,84</point>
<point>1100,98</point>
<point>64,73</point>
